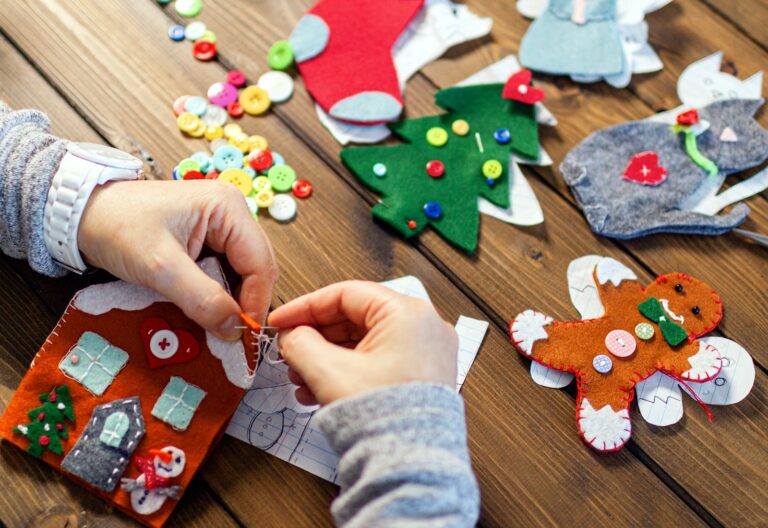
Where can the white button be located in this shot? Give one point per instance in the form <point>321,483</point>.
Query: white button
<point>277,84</point>
<point>163,344</point>
<point>215,116</point>
<point>194,30</point>
<point>283,208</point>
<point>216,144</point>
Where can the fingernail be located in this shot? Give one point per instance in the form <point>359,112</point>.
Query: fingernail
<point>229,330</point>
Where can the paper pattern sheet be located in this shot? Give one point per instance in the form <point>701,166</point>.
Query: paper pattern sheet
<point>270,418</point>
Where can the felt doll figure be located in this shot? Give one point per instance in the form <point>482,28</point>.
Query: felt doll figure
<point>578,37</point>
<point>642,331</point>
<point>644,177</point>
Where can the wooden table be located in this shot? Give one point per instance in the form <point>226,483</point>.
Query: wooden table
<point>106,72</point>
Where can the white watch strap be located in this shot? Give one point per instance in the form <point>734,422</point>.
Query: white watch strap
<point>68,195</point>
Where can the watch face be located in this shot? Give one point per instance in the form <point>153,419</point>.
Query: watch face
<point>104,155</point>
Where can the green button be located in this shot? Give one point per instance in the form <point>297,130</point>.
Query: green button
<point>282,177</point>
<point>437,137</point>
<point>280,55</point>
<point>187,165</point>
<point>261,183</point>
<point>189,8</point>
<point>492,169</point>
<point>644,331</point>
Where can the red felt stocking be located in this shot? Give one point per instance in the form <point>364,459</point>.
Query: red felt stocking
<point>343,49</point>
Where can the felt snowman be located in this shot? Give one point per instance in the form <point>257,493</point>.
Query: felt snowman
<point>153,486</point>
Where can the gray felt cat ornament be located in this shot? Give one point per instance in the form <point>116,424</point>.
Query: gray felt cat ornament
<point>646,177</point>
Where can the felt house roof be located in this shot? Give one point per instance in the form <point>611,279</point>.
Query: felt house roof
<point>116,312</point>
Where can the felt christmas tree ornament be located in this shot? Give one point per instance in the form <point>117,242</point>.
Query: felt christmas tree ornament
<point>628,334</point>
<point>449,160</point>
<point>344,53</point>
<point>131,374</point>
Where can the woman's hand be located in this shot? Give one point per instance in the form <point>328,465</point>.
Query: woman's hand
<point>352,337</point>
<point>151,232</point>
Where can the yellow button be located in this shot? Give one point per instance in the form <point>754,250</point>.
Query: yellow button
<point>261,183</point>
<point>492,169</point>
<point>264,198</point>
<point>254,100</point>
<point>239,178</point>
<point>460,127</point>
<point>199,131</point>
<point>213,132</point>
<point>437,137</point>
<point>188,122</point>
<point>231,130</point>
<point>258,143</point>
<point>241,142</point>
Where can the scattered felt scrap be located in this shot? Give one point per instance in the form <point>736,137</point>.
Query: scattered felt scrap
<point>475,162</point>
<point>617,207</point>
<point>344,53</point>
<point>112,315</point>
<point>47,425</point>
<point>106,444</point>
<point>612,351</point>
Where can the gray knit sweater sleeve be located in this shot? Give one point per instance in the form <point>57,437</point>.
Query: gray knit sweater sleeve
<point>404,458</point>
<point>29,156</point>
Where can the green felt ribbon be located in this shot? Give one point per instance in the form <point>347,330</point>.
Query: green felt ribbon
<point>693,150</point>
<point>672,332</point>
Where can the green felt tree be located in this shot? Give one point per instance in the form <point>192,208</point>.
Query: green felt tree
<point>429,180</point>
<point>47,427</point>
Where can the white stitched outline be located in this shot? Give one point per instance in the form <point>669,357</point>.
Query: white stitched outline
<point>179,401</point>
<point>95,361</point>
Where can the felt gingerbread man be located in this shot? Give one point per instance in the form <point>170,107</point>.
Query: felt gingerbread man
<point>642,331</point>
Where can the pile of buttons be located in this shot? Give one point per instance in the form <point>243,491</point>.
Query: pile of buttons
<point>246,162</point>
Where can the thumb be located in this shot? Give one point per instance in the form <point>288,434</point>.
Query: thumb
<point>201,298</point>
<point>318,362</point>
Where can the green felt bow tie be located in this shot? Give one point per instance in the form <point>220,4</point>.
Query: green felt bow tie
<point>672,332</point>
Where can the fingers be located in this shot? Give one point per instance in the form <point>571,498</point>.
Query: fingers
<point>353,301</point>
<point>201,298</point>
<point>314,361</point>
<point>232,230</point>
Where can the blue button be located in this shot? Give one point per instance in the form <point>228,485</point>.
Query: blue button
<point>433,210</point>
<point>228,157</point>
<point>176,173</point>
<point>203,159</point>
<point>490,181</point>
<point>380,170</point>
<point>502,136</point>
<point>602,364</point>
<point>250,171</point>
<point>196,105</point>
<point>176,33</point>
<point>277,159</point>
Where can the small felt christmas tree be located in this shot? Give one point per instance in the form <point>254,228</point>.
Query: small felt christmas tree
<point>46,427</point>
<point>450,160</point>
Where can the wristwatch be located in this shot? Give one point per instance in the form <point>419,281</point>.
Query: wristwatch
<point>83,167</point>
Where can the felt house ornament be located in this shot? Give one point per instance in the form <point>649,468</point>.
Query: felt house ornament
<point>449,160</point>
<point>133,394</point>
<point>631,338</point>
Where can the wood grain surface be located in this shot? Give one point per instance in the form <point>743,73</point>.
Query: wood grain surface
<point>106,72</point>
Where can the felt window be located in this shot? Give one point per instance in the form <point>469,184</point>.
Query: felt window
<point>94,362</point>
<point>115,427</point>
<point>178,403</point>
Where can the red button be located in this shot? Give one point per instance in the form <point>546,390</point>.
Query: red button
<point>235,110</point>
<point>691,117</point>
<point>194,175</point>
<point>213,175</point>
<point>260,160</point>
<point>435,168</point>
<point>236,77</point>
<point>302,189</point>
<point>412,224</point>
<point>204,50</point>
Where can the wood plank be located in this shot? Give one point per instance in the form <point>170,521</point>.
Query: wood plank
<point>750,16</point>
<point>334,222</point>
<point>519,261</point>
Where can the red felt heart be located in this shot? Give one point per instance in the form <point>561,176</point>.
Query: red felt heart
<point>688,118</point>
<point>518,88</point>
<point>164,345</point>
<point>644,168</point>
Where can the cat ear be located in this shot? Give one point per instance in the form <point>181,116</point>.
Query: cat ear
<point>753,86</point>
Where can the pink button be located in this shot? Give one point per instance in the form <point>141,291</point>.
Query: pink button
<point>74,359</point>
<point>222,94</point>
<point>620,343</point>
<point>236,77</point>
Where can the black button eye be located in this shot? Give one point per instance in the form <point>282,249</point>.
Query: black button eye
<point>679,288</point>
<point>696,310</point>
<point>178,460</point>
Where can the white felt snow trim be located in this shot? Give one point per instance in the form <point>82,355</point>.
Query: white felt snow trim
<point>582,288</point>
<point>408,285</point>
<point>102,298</point>
<point>548,377</point>
<point>604,429</point>
<point>609,269</point>
<point>524,208</point>
<point>735,379</point>
<point>527,328</point>
<point>705,364</point>
<point>659,399</point>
